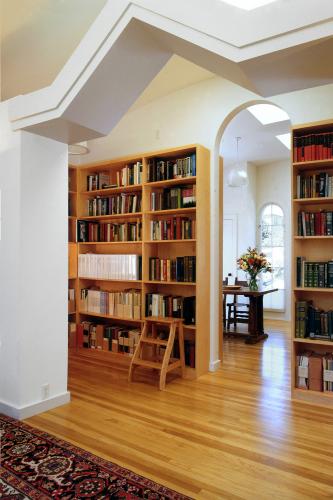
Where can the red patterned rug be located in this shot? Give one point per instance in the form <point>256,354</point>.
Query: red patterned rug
<point>36,465</point>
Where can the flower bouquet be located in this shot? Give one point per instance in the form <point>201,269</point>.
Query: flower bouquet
<point>253,263</point>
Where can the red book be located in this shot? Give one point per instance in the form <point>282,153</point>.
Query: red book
<point>317,224</point>
<point>322,223</point>
<point>178,228</point>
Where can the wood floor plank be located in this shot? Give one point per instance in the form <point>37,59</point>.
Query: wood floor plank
<point>232,434</point>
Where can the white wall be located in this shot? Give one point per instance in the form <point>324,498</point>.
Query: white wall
<point>33,271</point>
<point>242,202</point>
<point>274,186</point>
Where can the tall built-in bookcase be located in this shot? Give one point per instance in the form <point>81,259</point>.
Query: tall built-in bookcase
<point>312,204</point>
<point>169,248</point>
<point>72,244</point>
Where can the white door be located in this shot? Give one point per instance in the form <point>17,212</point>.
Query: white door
<point>230,246</point>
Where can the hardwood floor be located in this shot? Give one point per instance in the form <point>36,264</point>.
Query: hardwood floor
<point>231,434</point>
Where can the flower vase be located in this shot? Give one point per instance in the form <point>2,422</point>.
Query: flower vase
<point>253,283</point>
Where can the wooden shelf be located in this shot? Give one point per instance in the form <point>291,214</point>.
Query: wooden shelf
<point>315,201</point>
<point>199,333</point>
<point>110,217</point>
<point>313,237</point>
<point>311,289</point>
<point>115,190</point>
<point>110,242</point>
<point>313,341</point>
<point>107,316</point>
<point>174,211</point>
<point>182,283</point>
<point>169,241</point>
<point>110,280</point>
<point>171,182</point>
<point>313,397</point>
<point>72,192</point>
<point>313,165</point>
<point>72,217</point>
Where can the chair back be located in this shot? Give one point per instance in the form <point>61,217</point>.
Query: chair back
<point>240,282</point>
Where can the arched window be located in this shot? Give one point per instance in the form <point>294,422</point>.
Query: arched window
<point>272,244</point>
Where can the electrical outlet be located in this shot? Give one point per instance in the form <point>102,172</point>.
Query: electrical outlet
<point>45,391</point>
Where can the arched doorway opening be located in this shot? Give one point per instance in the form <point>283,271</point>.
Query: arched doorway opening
<point>249,198</point>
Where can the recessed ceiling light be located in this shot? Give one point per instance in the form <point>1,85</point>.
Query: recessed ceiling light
<point>248,4</point>
<point>285,139</point>
<point>268,113</point>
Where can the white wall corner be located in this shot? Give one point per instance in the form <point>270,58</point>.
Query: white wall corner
<point>28,411</point>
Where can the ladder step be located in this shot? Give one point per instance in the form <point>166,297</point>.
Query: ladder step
<point>147,363</point>
<point>161,319</point>
<point>147,340</point>
<point>174,365</point>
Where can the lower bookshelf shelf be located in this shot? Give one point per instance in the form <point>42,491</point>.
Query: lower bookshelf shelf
<point>313,341</point>
<point>313,397</point>
<point>106,316</point>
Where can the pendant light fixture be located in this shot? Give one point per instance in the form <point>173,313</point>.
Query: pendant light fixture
<point>237,176</point>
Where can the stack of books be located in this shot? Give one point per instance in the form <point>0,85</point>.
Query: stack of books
<point>181,269</point>
<point>161,169</point>
<point>314,274</point>
<point>313,322</point>
<point>108,231</point>
<point>310,147</point>
<point>175,228</point>
<point>115,338</point>
<point>130,175</point>
<point>314,371</point>
<point>71,300</point>
<point>110,267</point>
<point>123,203</point>
<point>315,223</point>
<point>125,304</point>
<point>314,185</point>
<point>169,199</point>
<point>171,306</point>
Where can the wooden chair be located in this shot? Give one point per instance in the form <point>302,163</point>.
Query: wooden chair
<point>238,312</point>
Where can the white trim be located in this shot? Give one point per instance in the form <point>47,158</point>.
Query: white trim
<point>214,365</point>
<point>35,408</point>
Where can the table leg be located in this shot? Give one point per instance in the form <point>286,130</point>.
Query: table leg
<point>256,320</point>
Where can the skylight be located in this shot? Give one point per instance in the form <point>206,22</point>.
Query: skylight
<point>285,139</point>
<point>248,4</point>
<point>267,113</point>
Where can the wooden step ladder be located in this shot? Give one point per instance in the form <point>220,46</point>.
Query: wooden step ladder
<point>164,365</point>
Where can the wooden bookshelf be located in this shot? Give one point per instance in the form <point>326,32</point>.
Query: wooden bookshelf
<point>315,248</point>
<point>73,315</point>
<point>198,246</point>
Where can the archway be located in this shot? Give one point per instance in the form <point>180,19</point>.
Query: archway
<point>216,344</point>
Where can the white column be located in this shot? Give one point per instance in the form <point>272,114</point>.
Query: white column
<point>33,271</point>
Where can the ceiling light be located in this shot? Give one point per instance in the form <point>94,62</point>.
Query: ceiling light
<point>248,4</point>
<point>285,139</point>
<point>268,113</point>
<point>78,149</point>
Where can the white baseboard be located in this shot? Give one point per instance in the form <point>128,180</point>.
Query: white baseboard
<point>214,365</point>
<point>23,412</point>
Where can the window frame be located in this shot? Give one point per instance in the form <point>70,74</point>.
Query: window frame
<point>261,212</point>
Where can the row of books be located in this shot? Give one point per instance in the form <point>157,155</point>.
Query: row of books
<point>125,304</point>
<point>180,269</point>
<point>310,147</point>
<point>160,169</point>
<point>123,203</point>
<point>115,338</point>
<point>314,185</point>
<point>129,175</point>
<point>314,371</point>
<point>315,223</point>
<point>176,228</point>
<point>179,197</point>
<point>110,267</point>
<point>88,231</point>
<point>312,322</point>
<point>314,274</point>
<point>71,300</point>
<point>171,306</point>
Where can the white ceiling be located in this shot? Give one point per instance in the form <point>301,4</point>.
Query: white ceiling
<point>258,143</point>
